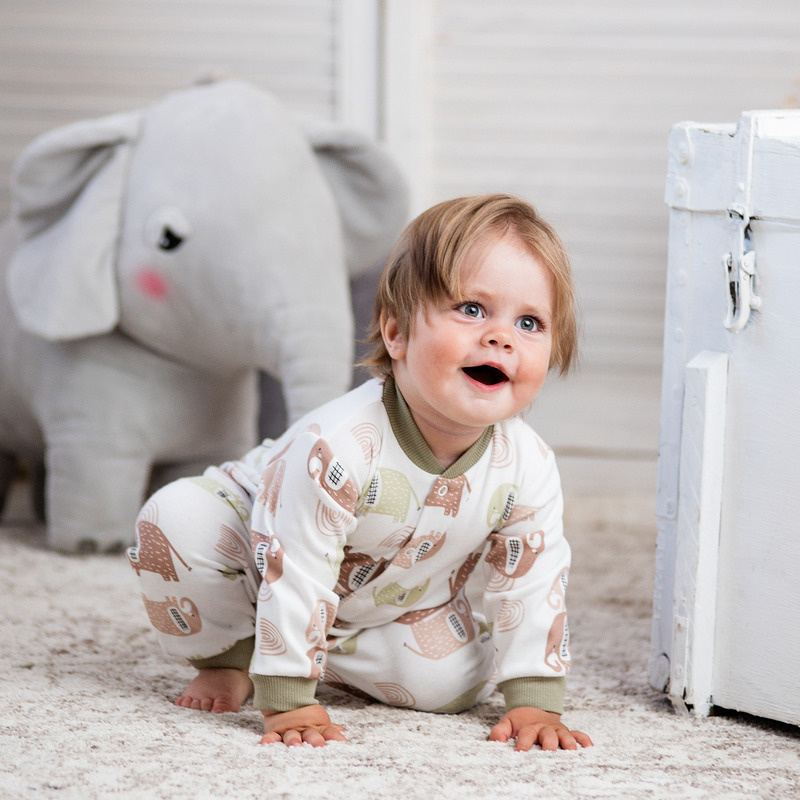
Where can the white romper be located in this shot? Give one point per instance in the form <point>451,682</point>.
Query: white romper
<point>343,552</point>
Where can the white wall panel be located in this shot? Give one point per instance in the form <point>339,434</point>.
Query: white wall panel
<point>63,60</point>
<point>569,104</point>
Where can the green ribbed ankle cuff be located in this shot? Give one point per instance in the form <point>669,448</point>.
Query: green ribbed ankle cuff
<point>544,693</point>
<point>278,693</point>
<point>238,657</point>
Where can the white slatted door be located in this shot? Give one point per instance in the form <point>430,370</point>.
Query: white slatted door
<point>65,61</point>
<point>570,105</point>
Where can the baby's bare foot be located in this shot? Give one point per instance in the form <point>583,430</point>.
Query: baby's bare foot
<point>217,690</point>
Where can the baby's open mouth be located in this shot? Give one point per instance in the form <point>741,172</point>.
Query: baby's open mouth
<point>486,374</point>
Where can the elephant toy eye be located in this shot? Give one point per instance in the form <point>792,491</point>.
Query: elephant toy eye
<point>169,239</point>
<point>167,229</point>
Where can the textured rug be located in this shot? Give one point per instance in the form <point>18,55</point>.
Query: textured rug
<point>86,701</point>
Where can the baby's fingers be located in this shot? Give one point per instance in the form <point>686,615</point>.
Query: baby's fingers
<point>291,738</point>
<point>553,738</point>
<point>502,732</point>
<point>319,737</point>
<point>313,736</point>
<point>334,733</point>
<point>530,735</point>
<point>582,739</point>
<point>550,738</point>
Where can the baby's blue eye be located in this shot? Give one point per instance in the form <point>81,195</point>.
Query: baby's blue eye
<point>471,309</point>
<point>528,323</point>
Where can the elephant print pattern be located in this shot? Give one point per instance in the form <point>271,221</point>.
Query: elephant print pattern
<point>557,597</point>
<point>513,557</point>
<point>501,505</point>
<point>361,568</point>
<point>418,549</point>
<point>173,617</point>
<point>271,483</point>
<point>389,492</point>
<point>459,580</point>
<point>397,595</point>
<point>153,551</point>
<point>441,631</point>
<point>316,634</point>
<point>447,493</point>
<point>356,570</point>
<point>332,476</point>
<point>557,655</point>
<point>269,556</point>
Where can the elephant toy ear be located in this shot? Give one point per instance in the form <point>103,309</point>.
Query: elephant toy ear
<point>370,191</point>
<point>67,195</point>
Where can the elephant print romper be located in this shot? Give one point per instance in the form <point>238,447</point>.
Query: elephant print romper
<point>343,552</point>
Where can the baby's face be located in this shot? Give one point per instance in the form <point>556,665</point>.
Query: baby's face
<point>482,359</point>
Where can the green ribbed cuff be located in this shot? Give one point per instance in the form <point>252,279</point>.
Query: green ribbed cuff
<point>278,693</point>
<point>238,657</point>
<point>544,693</point>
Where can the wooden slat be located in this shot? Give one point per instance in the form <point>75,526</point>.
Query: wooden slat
<point>570,104</point>
<point>64,61</point>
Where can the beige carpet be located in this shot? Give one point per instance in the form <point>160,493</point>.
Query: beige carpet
<point>85,702</point>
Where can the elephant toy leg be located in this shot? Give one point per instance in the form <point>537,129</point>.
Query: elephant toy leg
<point>38,490</point>
<point>99,518</point>
<point>8,471</point>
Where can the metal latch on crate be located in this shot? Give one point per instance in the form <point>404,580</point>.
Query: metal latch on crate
<point>740,270</point>
<point>740,263</point>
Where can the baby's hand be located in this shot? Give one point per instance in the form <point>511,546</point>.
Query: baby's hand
<point>307,724</point>
<point>530,726</point>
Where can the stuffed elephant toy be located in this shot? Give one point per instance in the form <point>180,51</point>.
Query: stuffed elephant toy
<point>154,264</point>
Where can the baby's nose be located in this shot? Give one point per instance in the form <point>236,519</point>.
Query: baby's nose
<point>498,338</point>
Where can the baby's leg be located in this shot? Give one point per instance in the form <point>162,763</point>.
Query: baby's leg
<point>199,584</point>
<point>441,663</point>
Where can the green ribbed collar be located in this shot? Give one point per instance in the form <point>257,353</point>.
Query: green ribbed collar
<point>414,444</point>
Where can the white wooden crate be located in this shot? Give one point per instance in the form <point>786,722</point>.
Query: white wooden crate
<point>726,622</point>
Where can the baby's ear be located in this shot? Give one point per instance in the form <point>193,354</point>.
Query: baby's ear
<point>393,338</point>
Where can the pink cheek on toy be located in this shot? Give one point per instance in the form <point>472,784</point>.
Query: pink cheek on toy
<point>152,284</point>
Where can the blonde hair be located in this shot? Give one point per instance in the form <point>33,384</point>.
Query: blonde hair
<point>425,265</point>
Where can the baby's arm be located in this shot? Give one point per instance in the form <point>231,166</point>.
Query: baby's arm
<point>298,545</point>
<point>530,726</point>
<point>308,724</point>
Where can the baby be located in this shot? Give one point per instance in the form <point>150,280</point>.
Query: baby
<point>404,542</point>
